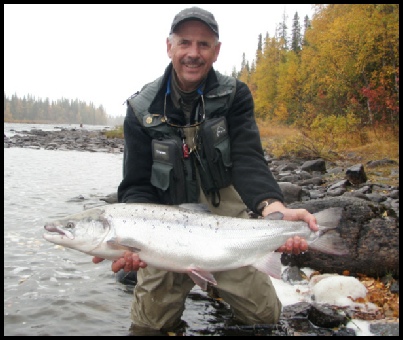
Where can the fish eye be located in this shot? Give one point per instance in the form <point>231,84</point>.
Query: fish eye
<point>70,225</point>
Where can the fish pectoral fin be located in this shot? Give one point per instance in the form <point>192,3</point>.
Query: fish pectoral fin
<point>270,264</point>
<point>112,243</point>
<point>201,278</point>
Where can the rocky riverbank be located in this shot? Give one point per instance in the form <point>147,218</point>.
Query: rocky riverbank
<point>369,226</point>
<point>78,139</point>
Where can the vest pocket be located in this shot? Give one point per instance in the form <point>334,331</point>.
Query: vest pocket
<point>167,173</point>
<point>161,175</point>
<point>215,146</point>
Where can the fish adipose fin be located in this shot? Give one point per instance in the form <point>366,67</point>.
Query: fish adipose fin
<point>201,278</point>
<point>270,264</point>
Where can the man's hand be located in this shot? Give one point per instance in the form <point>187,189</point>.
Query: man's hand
<point>296,244</point>
<point>130,261</point>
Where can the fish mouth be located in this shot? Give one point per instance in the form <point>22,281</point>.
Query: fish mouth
<point>55,231</point>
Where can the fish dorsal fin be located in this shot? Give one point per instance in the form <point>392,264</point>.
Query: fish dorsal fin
<point>270,264</point>
<point>195,207</point>
<point>201,278</point>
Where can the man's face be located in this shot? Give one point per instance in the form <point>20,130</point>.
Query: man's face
<point>193,52</point>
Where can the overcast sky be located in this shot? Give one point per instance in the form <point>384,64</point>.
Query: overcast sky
<point>104,53</point>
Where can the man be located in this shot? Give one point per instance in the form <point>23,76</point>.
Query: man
<point>191,136</point>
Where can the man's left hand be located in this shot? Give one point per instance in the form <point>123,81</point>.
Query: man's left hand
<point>296,244</point>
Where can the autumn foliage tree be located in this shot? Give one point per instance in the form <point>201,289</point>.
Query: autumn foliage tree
<point>344,65</point>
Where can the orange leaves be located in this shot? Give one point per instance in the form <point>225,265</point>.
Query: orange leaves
<point>379,294</point>
<point>379,302</point>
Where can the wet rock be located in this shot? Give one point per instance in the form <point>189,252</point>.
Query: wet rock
<point>111,198</point>
<point>356,174</point>
<point>66,139</point>
<point>291,192</point>
<point>375,163</point>
<point>384,329</point>
<point>293,275</point>
<point>127,278</point>
<point>314,165</point>
<point>324,315</point>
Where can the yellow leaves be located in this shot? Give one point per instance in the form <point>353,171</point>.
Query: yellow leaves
<point>280,113</point>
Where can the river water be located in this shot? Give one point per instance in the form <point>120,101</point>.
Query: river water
<point>50,290</point>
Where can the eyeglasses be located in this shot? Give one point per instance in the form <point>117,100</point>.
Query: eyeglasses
<point>200,121</point>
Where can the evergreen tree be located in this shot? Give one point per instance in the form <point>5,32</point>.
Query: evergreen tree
<point>296,36</point>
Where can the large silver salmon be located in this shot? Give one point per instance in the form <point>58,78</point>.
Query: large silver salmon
<point>192,241</point>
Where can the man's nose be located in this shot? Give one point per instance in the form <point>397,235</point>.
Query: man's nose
<point>194,50</point>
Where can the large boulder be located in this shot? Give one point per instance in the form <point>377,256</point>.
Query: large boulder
<point>371,232</point>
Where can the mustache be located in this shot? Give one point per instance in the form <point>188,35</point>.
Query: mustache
<point>193,61</point>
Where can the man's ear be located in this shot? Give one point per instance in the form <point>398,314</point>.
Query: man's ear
<point>217,51</point>
<point>169,48</point>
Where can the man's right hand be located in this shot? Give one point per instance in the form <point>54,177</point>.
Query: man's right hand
<point>130,261</point>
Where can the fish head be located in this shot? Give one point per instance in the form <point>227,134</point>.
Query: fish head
<point>85,231</point>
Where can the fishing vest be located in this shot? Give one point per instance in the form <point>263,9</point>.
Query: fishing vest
<point>175,173</point>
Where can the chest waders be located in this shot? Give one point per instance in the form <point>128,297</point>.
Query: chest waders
<point>159,296</point>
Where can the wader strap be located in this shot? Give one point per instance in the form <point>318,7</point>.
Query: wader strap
<point>215,198</point>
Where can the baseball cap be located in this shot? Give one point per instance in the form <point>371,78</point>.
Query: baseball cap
<point>195,13</point>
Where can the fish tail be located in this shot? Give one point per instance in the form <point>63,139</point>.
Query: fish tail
<point>329,240</point>
<point>329,218</point>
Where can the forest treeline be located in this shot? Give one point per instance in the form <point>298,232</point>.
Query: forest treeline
<point>338,71</point>
<point>62,111</point>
